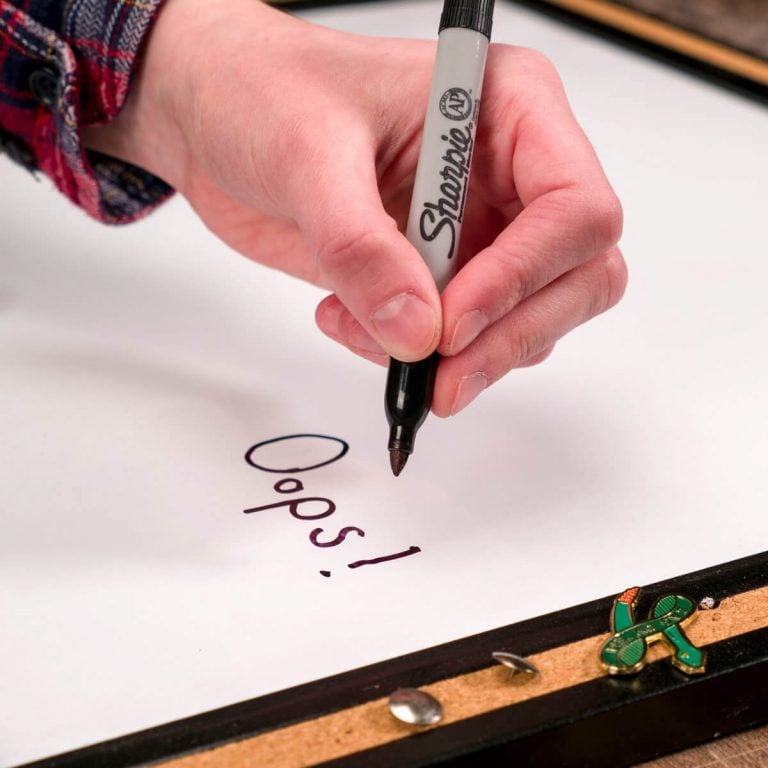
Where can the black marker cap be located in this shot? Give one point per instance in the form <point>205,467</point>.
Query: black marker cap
<point>468,14</point>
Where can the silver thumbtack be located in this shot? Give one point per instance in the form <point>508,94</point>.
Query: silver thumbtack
<point>415,707</point>
<point>707,603</point>
<point>514,663</point>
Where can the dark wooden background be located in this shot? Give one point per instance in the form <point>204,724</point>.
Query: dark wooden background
<point>739,24</point>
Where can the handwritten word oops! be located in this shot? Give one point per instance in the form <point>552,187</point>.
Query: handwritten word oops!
<point>293,454</point>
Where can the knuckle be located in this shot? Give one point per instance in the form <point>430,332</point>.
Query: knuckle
<point>297,135</point>
<point>612,282</point>
<point>348,327</point>
<point>346,255</point>
<point>617,276</point>
<point>516,278</point>
<point>606,218</point>
<point>540,357</point>
<point>537,62</point>
<point>271,161</point>
<point>526,347</point>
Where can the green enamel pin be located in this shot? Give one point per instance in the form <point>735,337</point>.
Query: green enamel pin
<point>624,653</point>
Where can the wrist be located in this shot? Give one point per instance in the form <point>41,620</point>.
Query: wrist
<point>180,115</point>
<point>148,131</point>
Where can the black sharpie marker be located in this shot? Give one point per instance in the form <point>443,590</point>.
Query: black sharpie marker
<point>440,195</point>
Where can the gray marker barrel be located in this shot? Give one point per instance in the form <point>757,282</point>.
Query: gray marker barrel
<point>442,174</point>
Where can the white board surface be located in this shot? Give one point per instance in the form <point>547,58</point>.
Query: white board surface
<point>139,364</point>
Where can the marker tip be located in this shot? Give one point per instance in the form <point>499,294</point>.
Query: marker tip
<point>397,460</point>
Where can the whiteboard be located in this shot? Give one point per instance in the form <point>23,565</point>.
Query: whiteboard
<point>139,365</point>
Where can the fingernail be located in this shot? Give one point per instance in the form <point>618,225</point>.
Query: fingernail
<point>328,316</point>
<point>469,388</point>
<point>406,325</point>
<point>360,340</point>
<point>469,327</point>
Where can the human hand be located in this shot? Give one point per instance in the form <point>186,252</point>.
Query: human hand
<point>297,145</point>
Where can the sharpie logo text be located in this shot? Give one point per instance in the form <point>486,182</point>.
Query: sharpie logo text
<point>441,216</point>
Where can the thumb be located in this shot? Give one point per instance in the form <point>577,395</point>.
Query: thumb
<point>371,267</point>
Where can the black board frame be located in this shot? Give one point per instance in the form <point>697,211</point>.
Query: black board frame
<point>604,722</point>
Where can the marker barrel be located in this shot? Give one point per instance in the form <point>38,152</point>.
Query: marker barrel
<point>442,174</point>
<point>440,192</point>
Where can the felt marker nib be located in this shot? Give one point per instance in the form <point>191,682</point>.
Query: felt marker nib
<point>397,460</point>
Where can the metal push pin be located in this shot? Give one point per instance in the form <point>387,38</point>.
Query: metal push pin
<point>415,707</point>
<point>515,664</point>
<point>707,603</point>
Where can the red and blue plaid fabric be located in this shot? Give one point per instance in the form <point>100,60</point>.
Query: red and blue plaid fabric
<point>67,63</point>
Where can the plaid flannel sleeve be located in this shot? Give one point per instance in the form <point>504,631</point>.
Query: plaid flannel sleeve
<point>67,63</point>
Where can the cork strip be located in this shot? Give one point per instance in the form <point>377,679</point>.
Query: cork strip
<point>371,725</point>
<point>670,37</point>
